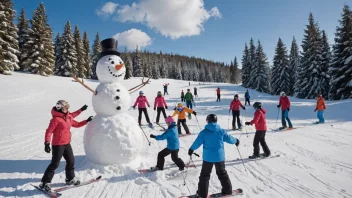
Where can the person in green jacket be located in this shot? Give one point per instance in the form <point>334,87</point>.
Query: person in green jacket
<point>189,101</point>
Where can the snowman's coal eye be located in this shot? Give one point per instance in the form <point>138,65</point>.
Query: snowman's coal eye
<point>112,62</point>
<point>120,62</point>
<point>109,59</point>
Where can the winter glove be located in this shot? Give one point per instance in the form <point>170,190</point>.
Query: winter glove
<point>175,109</point>
<point>315,110</point>
<point>247,123</point>
<point>84,108</point>
<point>90,118</point>
<point>278,106</point>
<point>238,142</point>
<point>190,152</point>
<point>134,107</point>
<point>152,136</point>
<point>154,108</point>
<point>244,108</point>
<point>165,107</point>
<point>194,113</point>
<point>47,147</point>
<point>149,106</point>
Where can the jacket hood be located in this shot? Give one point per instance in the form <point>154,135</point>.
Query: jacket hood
<point>172,124</point>
<point>262,110</point>
<point>212,126</point>
<point>56,113</point>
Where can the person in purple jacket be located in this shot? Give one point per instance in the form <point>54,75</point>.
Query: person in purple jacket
<point>142,103</point>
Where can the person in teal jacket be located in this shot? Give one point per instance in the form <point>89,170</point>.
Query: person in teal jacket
<point>212,138</point>
<point>173,145</point>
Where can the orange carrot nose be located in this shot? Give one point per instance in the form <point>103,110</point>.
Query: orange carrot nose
<point>118,67</point>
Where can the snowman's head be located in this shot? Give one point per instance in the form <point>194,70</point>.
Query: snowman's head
<point>110,68</point>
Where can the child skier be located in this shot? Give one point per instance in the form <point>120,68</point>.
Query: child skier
<point>195,92</point>
<point>173,145</point>
<point>247,96</point>
<point>320,108</point>
<point>182,96</point>
<point>142,101</point>
<point>218,94</point>
<point>260,125</point>
<point>284,103</point>
<point>235,107</point>
<point>181,112</point>
<point>59,127</point>
<point>189,101</point>
<point>213,137</point>
<point>165,88</point>
<point>160,105</point>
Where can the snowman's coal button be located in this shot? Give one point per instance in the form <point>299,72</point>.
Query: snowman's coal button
<point>118,90</point>
<point>117,97</point>
<point>110,72</point>
<point>118,108</point>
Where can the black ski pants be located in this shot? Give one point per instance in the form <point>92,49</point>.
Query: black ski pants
<point>158,111</point>
<point>144,110</point>
<point>174,157</point>
<point>204,177</point>
<point>247,100</point>
<point>218,98</point>
<point>260,138</point>
<point>183,121</point>
<point>236,116</point>
<point>182,99</point>
<point>57,153</point>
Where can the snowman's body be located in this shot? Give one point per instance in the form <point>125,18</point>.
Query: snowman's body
<point>113,136</point>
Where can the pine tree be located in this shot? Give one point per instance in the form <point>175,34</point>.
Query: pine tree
<point>57,51</point>
<point>147,67</point>
<point>185,72</point>
<point>155,68</point>
<point>8,38</point>
<point>325,63</point>
<point>41,54</point>
<point>80,54</point>
<point>201,74</point>
<point>86,56</point>
<point>261,81</point>
<point>252,65</point>
<point>233,71</point>
<point>245,67</point>
<point>177,71</point>
<point>137,64</point>
<point>165,68</point>
<point>129,68</point>
<point>23,37</point>
<point>95,55</point>
<point>195,72</point>
<point>341,64</point>
<point>67,63</point>
<point>281,72</point>
<point>294,60</point>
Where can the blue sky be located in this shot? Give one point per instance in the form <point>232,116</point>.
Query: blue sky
<point>215,31</point>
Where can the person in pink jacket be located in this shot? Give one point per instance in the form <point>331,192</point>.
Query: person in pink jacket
<point>235,108</point>
<point>160,105</point>
<point>59,134</point>
<point>142,103</point>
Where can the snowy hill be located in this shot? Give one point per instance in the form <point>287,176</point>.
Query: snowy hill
<point>315,160</point>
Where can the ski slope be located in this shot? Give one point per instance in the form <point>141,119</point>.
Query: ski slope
<point>315,160</point>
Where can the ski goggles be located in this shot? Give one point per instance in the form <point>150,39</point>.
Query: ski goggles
<point>60,104</point>
<point>179,109</point>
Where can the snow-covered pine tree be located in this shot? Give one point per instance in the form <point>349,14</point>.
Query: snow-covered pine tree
<point>341,64</point>
<point>86,55</point>
<point>95,55</point>
<point>261,82</point>
<point>178,73</point>
<point>245,67</point>
<point>147,66</point>
<point>165,68</point>
<point>237,77</point>
<point>137,64</point>
<point>67,63</point>
<point>202,77</point>
<point>57,51</point>
<point>252,65</point>
<point>294,60</point>
<point>281,71</point>
<point>8,38</point>
<point>23,37</point>
<point>325,63</point>
<point>185,71</point>
<point>195,72</point>
<point>233,71</point>
<point>81,70</point>
<point>128,65</point>
<point>208,74</point>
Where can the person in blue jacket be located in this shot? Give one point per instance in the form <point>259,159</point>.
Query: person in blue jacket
<point>247,97</point>
<point>173,145</point>
<point>212,138</point>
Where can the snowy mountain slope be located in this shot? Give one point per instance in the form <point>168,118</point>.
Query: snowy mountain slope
<point>315,160</point>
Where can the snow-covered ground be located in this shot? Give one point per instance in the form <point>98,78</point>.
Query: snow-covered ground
<point>315,160</point>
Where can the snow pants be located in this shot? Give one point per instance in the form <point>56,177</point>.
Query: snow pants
<point>284,117</point>
<point>236,116</point>
<point>260,138</point>
<point>320,116</point>
<point>204,177</point>
<point>144,110</point>
<point>174,157</point>
<point>57,153</point>
<point>182,99</point>
<point>165,92</point>
<point>218,97</point>
<point>247,100</point>
<point>159,110</point>
<point>183,121</point>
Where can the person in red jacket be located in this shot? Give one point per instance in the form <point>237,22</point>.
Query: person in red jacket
<point>59,129</point>
<point>142,103</point>
<point>235,108</point>
<point>284,103</point>
<point>259,121</point>
<point>218,94</point>
<point>160,105</point>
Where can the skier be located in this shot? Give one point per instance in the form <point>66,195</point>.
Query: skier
<point>195,92</point>
<point>181,112</point>
<point>189,101</point>
<point>235,107</point>
<point>284,103</point>
<point>218,94</point>
<point>182,96</point>
<point>260,125</point>
<point>320,108</point>
<point>59,127</point>
<point>160,105</point>
<point>213,137</point>
<point>165,88</point>
<point>173,145</point>
<point>247,96</point>
<point>141,101</point>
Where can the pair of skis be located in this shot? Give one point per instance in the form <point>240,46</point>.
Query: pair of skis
<point>238,191</point>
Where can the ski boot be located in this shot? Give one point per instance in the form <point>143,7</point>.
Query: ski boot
<point>253,156</point>
<point>150,125</point>
<point>233,128</point>
<point>75,181</point>
<point>263,155</point>
<point>283,127</point>
<point>155,168</point>
<point>45,186</point>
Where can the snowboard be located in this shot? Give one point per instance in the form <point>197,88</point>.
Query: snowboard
<point>51,194</point>
<point>234,193</point>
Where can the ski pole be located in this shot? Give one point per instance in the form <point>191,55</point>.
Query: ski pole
<point>153,117</point>
<point>145,135</point>
<point>245,126</point>
<point>242,160</point>
<point>278,113</point>
<point>228,121</point>
<point>198,123</point>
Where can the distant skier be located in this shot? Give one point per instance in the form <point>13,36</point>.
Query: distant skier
<point>173,145</point>
<point>218,94</point>
<point>181,111</point>
<point>182,96</point>
<point>212,137</point>
<point>320,108</point>
<point>189,101</point>
<point>59,128</point>
<point>247,97</point>
<point>195,92</point>
<point>142,103</point>
<point>235,108</point>
<point>259,121</point>
<point>284,103</point>
<point>160,105</point>
<point>165,88</point>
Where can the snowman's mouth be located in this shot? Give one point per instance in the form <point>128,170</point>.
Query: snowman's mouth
<point>115,74</point>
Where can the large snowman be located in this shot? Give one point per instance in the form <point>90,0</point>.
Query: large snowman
<point>113,136</point>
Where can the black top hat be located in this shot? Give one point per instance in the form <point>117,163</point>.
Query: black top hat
<point>109,47</point>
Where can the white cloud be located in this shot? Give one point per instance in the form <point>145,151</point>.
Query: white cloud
<point>133,38</point>
<point>107,10</point>
<point>172,18</point>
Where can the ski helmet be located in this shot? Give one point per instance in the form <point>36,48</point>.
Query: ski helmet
<point>282,94</point>
<point>212,118</point>
<point>61,104</point>
<point>159,92</point>
<point>169,119</point>
<point>141,92</point>
<point>257,105</point>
